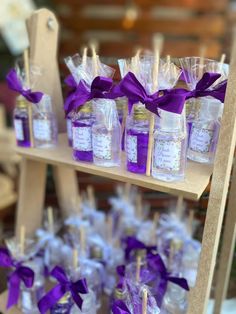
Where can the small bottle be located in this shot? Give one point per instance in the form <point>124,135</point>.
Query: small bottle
<point>106,134</point>
<point>137,133</point>
<point>205,131</point>
<point>82,134</point>
<point>169,151</point>
<point>175,300</point>
<point>69,128</point>
<point>63,306</point>
<point>30,296</point>
<point>21,122</point>
<point>88,306</point>
<point>44,124</point>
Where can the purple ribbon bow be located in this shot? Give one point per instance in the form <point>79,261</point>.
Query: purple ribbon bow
<point>101,87</point>
<point>20,273</point>
<point>156,264</point>
<point>119,307</point>
<point>15,84</point>
<point>133,243</point>
<point>135,92</point>
<point>55,294</point>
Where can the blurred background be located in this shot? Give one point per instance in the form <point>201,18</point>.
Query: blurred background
<point>118,28</point>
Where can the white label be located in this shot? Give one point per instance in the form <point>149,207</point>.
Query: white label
<point>167,155</point>
<point>69,128</point>
<point>19,129</point>
<point>200,139</point>
<point>42,130</point>
<point>82,138</point>
<point>102,146</point>
<point>131,148</point>
<point>26,299</point>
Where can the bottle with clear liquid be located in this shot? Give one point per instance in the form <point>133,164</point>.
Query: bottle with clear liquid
<point>21,122</point>
<point>137,133</point>
<point>29,297</point>
<point>45,129</point>
<point>106,134</point>
<point>205,129</point>
<point>169,149</point>
<point>175,300</point>
<point>82,133</point>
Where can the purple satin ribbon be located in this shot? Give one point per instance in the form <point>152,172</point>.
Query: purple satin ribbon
<point>65,285</point>
<point>156,265</point>
<point>119,307</point>
<point>20,273</point>
<point>135,92</point>
<point>132,243</point>
<point>15,84</point>
<point>101,87</point>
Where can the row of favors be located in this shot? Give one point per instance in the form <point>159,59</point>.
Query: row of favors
<point>138,265</point>
<point>158,128</point>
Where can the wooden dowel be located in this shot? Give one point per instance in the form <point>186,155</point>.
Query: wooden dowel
<point>127,190</point>
<point>84,57</point>
<point>27,79</point>
<point>22,240</point>
<point>75,258</point>
<point>222,61</point>
<point>190,222</point>
<point>50,219</point>
<point>180,206</point>
<point>168,60</point>
<point>138,268</point>
<point>154,228</point>
<point>95,60</point>
<point>91,197</point>
<point>144,301</point>
<point>202,53</point>
<point>138,203</point>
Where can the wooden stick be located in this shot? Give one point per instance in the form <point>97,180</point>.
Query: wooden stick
<point>27,78</point>
<point>50,219</point>
<point>91,197</point>
<point>202,53</point>
<point>138,268</point>
<point>180,206</point>
<point>75,258</point>
<point>127,190</point>
<point>172,253</point>
<point>190,222</point>
<point>222,61</point>
<point>84,57</point>
<point>144,301</point>
<point>109,224</point>
<point>158,42</point>
<point>95,60</point>
<point>155,224</point>
<point>139,207</point>
<point>168,60</point>
<point>22,240</point>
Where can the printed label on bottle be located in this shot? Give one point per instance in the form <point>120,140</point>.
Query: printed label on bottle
<point>26,300</point>
<point>42,130</point>
<point>131,148</point>
<point>69,128</point>
<point>167,155</point>
<point>19,129</point>
<point>82,138</point>
<point>102,146</point>
<point>200,139</point>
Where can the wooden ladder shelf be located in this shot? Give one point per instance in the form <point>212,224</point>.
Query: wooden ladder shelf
<point>43,34</point>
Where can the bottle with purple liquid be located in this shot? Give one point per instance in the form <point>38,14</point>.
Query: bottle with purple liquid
<point>22,123</point>
<point>82,134</point>
<point>137,133</point>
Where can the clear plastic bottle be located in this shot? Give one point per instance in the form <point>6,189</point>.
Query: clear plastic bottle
<point>170,143</point>
<point>106,134</point>
<point>137,133</point>
<point>21,122</point>
<point>69,128</point>
<point>30,296</point>
<point>88,306</point>
<point>175,300</point>
<point>205,131</point>
<point>45,129</point>
<point>63,306</point>
<point>82,134</point>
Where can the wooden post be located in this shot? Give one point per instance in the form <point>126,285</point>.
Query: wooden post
<point>31,196</point>
<point>199,296</point>
<point>227,250</point>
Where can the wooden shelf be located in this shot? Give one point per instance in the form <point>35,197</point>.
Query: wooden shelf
<point>197,175</point>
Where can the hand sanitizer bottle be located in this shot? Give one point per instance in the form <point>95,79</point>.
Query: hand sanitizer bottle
<point>44,124</point>
<point>205,131</point>
<point>82,134</point>
<point>137,133</point>
<point>106,134</point>
<point>22,123</point>
<point>169,151</point>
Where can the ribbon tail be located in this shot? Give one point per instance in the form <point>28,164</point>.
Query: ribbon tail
<point>182,282</point>
<point>51,298</point>
<point>14,290</point>
<point>77,298</point>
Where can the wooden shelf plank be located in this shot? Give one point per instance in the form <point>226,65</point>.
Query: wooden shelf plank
<point>197,175</point>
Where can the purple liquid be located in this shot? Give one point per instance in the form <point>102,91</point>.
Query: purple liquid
<point>26,131</point>
<point>142,149</point>
<point>80,155</point>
